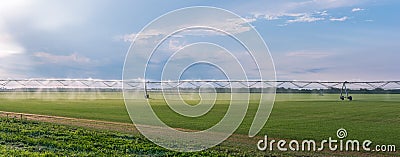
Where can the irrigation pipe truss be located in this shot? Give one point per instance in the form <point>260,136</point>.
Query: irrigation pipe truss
<point>139,84</point>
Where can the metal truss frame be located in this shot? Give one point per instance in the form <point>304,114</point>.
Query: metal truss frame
<point>118,84</point>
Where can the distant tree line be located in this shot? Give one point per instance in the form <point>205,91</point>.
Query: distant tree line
<point>316,91</point>
<point>290,90</point>
<point>60,90</point>
<point>337,90</point>
<point>218,90</point>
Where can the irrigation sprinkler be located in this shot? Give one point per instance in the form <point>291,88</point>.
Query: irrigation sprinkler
<point>344,88</point>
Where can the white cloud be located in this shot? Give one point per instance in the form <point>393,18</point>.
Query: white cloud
<point>73,58</point>
<point>277,16</point>
<point>175,45</point>
<point>10,49</point>
<point>344,18</point>
<point>294,17</point>
<point>315,9</point>
<point>45,15</point>
<point>323,13</point>
<point>37,15</point>
<point>236,25</point>
<point>356,9</point>
<point>8,46</point>
<point>305,18</point>
<point>282,25</point>
<point>127,37</point>
<point>233,25</point>
<point>265,16</point>
<point>143,35</point>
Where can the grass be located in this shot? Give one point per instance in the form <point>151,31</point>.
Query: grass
<point>30,138</point>
<point>306,116</point>
<point>99,106</point>
<point>294,116</point>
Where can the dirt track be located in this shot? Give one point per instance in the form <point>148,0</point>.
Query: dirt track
<point>95,124</point>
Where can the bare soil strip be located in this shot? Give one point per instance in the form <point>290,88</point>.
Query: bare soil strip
<point>95,124</point>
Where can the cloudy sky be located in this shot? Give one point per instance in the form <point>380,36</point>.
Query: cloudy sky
<point>308,39</point>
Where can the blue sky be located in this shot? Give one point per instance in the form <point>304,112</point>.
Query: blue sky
<point>308,39</point>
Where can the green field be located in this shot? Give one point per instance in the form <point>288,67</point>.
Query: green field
<point>31,138</point>
<point>294,116</point>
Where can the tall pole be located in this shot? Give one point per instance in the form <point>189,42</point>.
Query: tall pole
<point>146,95</point>
<point>341,90</point>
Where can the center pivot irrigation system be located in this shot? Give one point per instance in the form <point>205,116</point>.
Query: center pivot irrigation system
<point>13,84</point>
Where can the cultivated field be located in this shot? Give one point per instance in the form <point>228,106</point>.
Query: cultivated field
<point>294,116</point>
